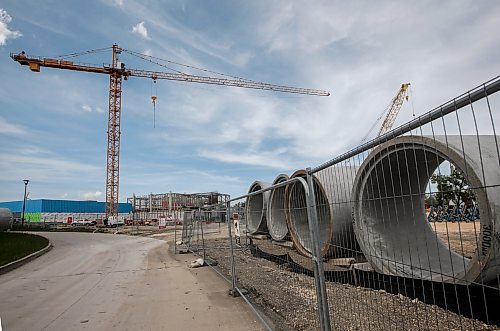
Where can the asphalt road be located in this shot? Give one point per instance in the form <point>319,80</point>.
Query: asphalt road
<point>104,282</point>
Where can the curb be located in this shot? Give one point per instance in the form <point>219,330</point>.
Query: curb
<point>22,261</point>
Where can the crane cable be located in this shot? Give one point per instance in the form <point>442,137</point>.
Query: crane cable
<point>92,51</point>
<point>153,100</point>
<point>412,105</point>
<point>144,57</point>
<point>150,58</point>
<point>376,122</point>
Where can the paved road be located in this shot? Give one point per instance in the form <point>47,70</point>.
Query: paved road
<point>103,281</point>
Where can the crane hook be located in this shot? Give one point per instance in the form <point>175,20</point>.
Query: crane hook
<point>153,100</point>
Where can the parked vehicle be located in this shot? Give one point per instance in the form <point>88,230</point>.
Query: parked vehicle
<point>84,222</point>
<point>114,221</point>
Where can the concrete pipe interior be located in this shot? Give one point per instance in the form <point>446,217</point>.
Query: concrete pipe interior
<point>298,220</point>
<point>256,206</point>
<point>276,219</point>
<point>390,220</point>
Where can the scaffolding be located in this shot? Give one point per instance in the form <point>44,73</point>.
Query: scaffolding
<point>171,206</point>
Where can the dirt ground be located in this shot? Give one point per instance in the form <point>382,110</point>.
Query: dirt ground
<point>289,299</point>
<point>461,237</point>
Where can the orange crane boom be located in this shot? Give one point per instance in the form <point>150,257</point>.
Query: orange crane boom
<point>117,72</point>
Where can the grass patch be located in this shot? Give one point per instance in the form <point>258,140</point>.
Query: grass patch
<point>52,228</point>
<point>14,246</point>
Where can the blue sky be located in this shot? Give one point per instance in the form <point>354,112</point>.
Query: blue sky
<point>211,138</point>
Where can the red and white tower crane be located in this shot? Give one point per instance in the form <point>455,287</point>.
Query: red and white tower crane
<point>117,73</point>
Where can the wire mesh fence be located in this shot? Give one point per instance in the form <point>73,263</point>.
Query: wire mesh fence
<point>402,232</point>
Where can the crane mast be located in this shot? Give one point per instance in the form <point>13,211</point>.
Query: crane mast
<point>113,146</point>
<point>117,72</point>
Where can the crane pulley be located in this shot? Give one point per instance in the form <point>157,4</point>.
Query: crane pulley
<point>117,72</point>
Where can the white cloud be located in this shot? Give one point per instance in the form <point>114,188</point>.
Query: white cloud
<point>141,30</point>
<point>222,47</point>
<point>118,2</point>
<point>44,167</point>
<point>10,129</point>
<point>89,109</point>
<point>148,52</point>
<point>268,159</point>
<point>92,195</point>
<point>5,32</point>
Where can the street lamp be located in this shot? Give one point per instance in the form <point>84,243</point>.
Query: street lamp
<point>26,181</point>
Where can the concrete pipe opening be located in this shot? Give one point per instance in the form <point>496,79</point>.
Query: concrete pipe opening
<point>390,220</point>
<point>256,208</point>
<point>297,218</point>
<point>276,215</point>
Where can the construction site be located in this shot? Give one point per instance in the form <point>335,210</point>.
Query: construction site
<point>172,206</point>
<point>400,232</point>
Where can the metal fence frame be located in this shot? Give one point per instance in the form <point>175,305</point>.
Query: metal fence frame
<point>466,99</point>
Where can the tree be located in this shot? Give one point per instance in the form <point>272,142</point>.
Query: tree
<point>453,187</point>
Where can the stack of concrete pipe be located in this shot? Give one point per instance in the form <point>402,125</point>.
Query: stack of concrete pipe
<point>287,214</point>
<point>380,207</point>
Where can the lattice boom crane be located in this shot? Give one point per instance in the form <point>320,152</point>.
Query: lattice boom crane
<point>394,108</point>
<point>117,72</point>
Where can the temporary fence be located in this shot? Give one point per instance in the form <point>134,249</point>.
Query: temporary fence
<point>402,232</point>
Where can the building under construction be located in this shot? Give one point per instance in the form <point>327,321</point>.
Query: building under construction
<point>171,206</point>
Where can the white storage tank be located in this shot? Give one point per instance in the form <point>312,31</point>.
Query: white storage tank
<point>5,218</point>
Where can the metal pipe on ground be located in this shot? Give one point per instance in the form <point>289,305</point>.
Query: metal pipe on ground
<point>389,216</point>
<point>256,208</point>
<point>276,216</point>
<point>332,188</point>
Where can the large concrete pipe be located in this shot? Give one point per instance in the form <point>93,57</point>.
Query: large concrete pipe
<point>256,208</point>
<point>276,216</point>
<point>332,188</point>
<point>389,216</point>
<point>5,218</point>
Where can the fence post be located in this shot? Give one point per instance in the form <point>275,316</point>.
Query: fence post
<point>175,238</point>
<point>229,226</point>
<point>319,274</point>
<point>202,240</point>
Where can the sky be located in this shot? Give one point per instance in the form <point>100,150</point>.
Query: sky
<point>211,138</point>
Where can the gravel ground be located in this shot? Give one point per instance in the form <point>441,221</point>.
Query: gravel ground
<point>289,298</point>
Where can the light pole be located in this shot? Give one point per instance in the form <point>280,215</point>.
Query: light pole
<point>26,181</point>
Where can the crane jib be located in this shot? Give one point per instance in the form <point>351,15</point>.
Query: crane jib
<point>36,62</point>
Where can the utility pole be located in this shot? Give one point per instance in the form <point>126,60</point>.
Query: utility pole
<point>26,181</point>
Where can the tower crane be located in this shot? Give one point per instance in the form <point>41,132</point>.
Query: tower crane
<point>394,108</point>
<point>117,72</point>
